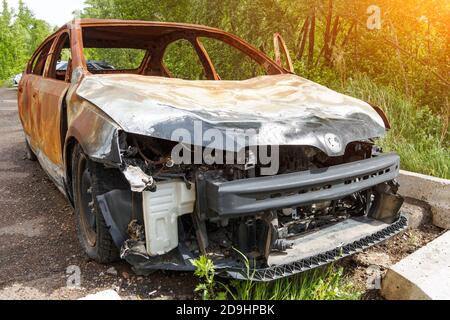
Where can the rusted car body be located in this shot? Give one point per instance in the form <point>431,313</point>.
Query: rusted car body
<point>106,138</point>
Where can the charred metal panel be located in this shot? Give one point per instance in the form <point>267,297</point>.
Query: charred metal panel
<point>283,109</point>
<point>51,95</point>
<point>98,135</point>
<point>117,209</point>
<point>54,171</point>
<point>28,104</point>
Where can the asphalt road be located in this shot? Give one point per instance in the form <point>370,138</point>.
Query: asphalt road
<point>39,249</point>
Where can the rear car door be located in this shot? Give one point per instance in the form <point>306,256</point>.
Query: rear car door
<point>28,95</point>
<point>41,100</point>
<point>52,91</point>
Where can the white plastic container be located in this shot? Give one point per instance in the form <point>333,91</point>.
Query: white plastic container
<point>161,211</point>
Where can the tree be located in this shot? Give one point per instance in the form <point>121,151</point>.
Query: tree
<point>20,34</point>
<point>329,38</point>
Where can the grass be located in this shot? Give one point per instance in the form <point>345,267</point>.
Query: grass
<point>420,137</point>
<point>320,284</point>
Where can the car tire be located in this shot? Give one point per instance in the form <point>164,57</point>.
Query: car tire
<point>30,154</point>
<point>93,233</point>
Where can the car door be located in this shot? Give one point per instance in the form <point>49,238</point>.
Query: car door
<point>52,89</point>
<point>41,95</point>
<point>28,95</point>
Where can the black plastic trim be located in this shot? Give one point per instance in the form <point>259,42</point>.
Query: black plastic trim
<point>281,271</point>
<point>247,196</point>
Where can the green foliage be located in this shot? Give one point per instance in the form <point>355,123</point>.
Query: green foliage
<point>205,270</point>
<point>230,63</point>
<point>183,62</point>
<point>6,83</point>
<point>20,35</point>
<point>418,135</point>
<point>319,284</point>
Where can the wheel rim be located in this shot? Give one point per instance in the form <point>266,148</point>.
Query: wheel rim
<point>88,221</point>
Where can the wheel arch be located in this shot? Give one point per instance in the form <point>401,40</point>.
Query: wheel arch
<point>71,143</point>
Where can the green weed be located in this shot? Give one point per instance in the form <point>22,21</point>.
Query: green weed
<point>320,284</point>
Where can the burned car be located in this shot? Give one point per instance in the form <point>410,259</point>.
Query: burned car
<point>266,173</point>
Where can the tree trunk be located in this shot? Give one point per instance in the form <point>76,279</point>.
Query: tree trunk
<point>312,33</point>
<point>327,35</point>
<point>347,37</point>
<point>302,39</point>
<point>334,34</point>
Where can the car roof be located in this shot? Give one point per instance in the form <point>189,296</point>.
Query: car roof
<point>158,24</point>
<point>142,31</point>
<point>97,35</point>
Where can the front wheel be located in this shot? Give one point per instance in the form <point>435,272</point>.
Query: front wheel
<point>93,232</point>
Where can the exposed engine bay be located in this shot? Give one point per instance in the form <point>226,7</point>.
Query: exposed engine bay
<point>175,211</point>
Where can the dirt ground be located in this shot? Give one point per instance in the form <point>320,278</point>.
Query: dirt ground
<point>363,268</point>
<point>39,246</point>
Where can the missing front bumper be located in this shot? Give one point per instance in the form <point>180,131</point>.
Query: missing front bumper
<point>243,197</point>
<point>358,238</point>
<point>249,197</point>
<point>322,247</point>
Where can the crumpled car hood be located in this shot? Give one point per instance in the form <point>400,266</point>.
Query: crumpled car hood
<point>283,109</point>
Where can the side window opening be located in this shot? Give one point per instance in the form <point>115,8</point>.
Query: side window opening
<point>61,59</point>
<point>182,61</point>
<point>229,62</point>
<point>38,64</point>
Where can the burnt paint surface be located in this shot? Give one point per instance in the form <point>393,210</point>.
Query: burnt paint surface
<point>40,107</point>
<point>97,134</point>
<point>283,109</point>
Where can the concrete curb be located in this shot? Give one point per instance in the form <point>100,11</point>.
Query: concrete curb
<point>423,275</point>
<point>434,191</point>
